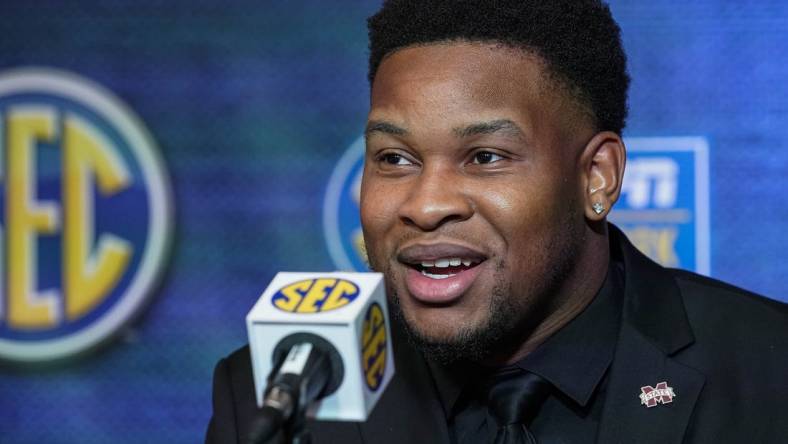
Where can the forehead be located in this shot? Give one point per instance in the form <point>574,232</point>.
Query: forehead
<point>444,86</point>
<point>491,74</point>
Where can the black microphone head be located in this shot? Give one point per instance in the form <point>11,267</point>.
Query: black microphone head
<point>328,349</point>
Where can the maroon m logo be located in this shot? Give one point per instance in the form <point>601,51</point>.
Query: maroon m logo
<point>651,396</point>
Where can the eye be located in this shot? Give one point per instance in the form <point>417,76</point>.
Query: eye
<point>394,159</point>
<point>483,157</point>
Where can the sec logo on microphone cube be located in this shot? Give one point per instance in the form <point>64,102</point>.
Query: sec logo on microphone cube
<point>373,346</point>
<point>315,295</point>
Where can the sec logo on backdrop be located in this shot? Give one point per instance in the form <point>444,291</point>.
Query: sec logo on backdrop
<point>86,214</point>
<point>341,223</point>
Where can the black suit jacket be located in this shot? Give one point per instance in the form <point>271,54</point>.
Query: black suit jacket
<point>724,352</point>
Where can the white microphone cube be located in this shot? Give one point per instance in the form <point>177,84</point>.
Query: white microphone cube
<point>346,309</point>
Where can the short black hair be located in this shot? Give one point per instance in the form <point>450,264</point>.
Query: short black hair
<point>578,39</point>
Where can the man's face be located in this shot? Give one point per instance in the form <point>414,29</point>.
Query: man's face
<point>469,199</point>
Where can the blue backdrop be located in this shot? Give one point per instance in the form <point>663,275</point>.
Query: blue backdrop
<point>252,105</point>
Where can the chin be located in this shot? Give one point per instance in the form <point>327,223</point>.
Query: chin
<point>449,345</point>
<point>448,334</point>
<point>435,324</point>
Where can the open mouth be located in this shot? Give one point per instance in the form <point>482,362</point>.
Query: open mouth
<point>441,273</point>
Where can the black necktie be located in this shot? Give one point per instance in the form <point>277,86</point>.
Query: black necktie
<point>514,399</point>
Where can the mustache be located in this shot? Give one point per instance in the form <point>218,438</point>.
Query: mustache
<point>447,233</point>
<point>443,235</point>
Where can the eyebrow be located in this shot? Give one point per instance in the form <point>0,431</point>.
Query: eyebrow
<point>505,126</point>
<point>380,126</point>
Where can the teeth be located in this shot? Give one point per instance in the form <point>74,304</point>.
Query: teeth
<point>444,263</point>
<point>436,276</point>
<point>448,262</point>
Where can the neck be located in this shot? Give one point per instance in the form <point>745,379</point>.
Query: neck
<point>573,296</point>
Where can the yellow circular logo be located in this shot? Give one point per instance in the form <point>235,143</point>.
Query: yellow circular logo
<point>86,214</point>
<point>315,295</point>
<point>373,346</point>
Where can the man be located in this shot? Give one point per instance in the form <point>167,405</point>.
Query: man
<point>493,156</point>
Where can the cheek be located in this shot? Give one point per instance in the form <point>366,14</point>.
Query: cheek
<point>512,204</point>
<point>524,213</point>
<point>378,207</point>
<point>374,210</point>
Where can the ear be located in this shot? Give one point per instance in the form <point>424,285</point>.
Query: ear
<point>602,162</point>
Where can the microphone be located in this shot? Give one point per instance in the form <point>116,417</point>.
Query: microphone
<point>320,347</point>
<point>307,368</point>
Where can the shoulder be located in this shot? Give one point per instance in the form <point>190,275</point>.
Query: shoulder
<point>239,364</point>
<point>233,398</point>
<point>710,302</point>
<point>236,369</point>
<point>741,347</point>
<point>734,328</point>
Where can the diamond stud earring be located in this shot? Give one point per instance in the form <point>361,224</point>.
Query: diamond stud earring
<point>598,208</point>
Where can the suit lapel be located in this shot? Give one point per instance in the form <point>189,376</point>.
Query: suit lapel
<point>654,328</point>
<point>638,363</point>
<point>409,411</point>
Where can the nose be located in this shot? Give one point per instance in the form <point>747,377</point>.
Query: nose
<point>435,199</point>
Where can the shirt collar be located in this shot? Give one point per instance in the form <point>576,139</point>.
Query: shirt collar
<point>574,359</point>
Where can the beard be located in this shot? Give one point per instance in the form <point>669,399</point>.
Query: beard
<point>511,318</point>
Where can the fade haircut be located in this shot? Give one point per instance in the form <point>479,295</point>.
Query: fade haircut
<point>578,40</point>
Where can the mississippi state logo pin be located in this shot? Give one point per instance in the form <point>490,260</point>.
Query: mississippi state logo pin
<point>661,394</point>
